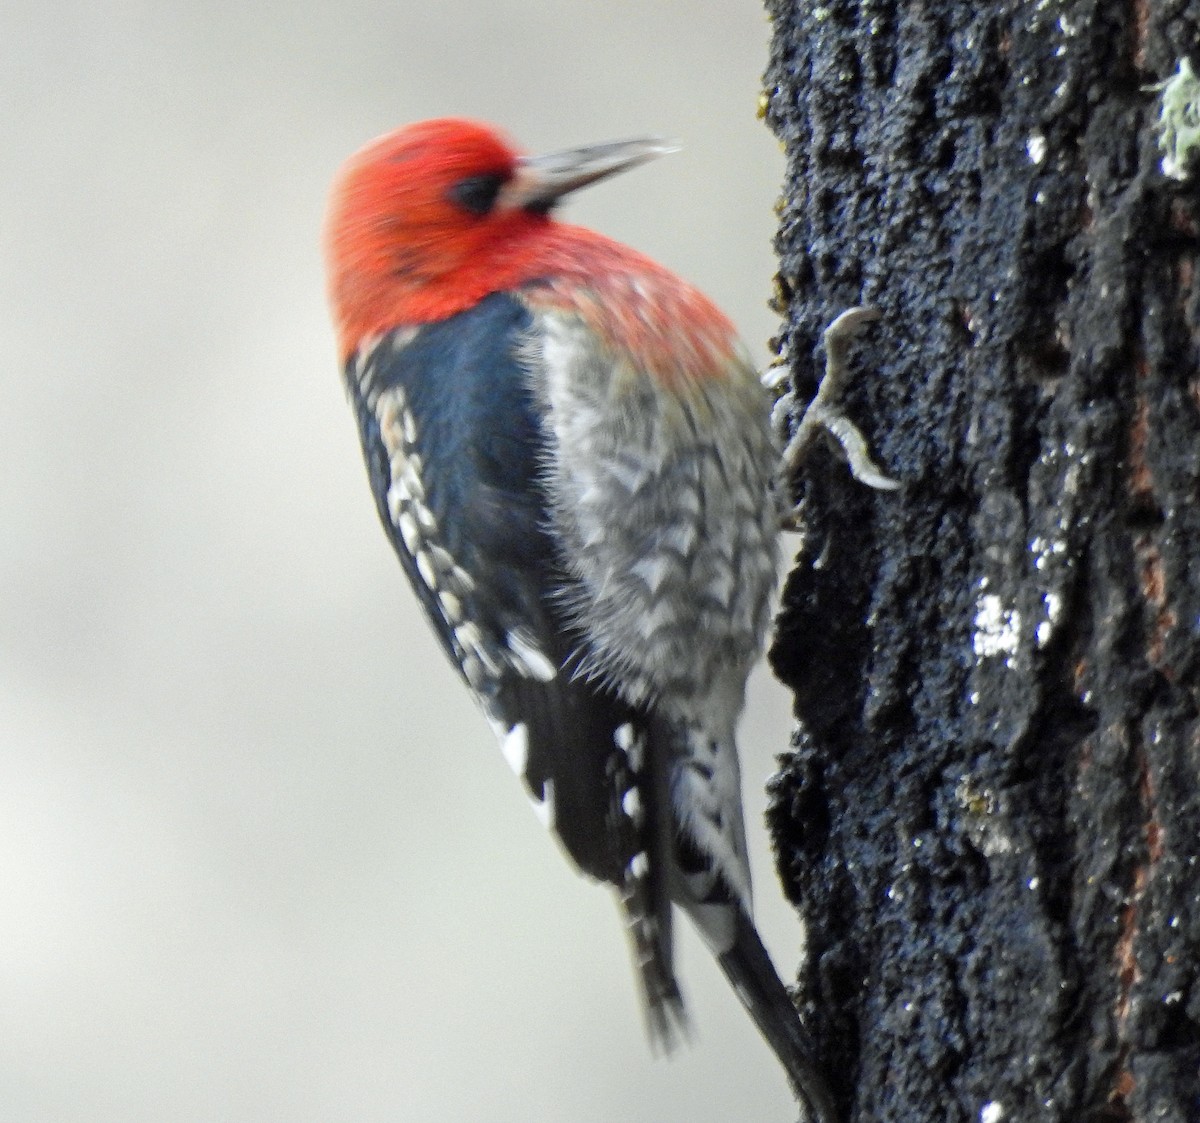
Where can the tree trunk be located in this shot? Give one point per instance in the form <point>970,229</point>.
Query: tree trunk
<point>990,812</point>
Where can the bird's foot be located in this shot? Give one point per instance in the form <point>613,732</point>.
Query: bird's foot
<point>820,414</point>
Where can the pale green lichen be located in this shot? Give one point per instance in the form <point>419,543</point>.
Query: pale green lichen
<point>1179,120</point>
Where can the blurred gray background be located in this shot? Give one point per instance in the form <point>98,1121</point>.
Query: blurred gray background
<point>259,856</point>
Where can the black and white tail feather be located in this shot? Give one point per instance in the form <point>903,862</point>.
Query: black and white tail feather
<point>644,891</point>
<point>709,878</point>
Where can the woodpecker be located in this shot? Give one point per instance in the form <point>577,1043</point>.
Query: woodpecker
<point>573,457</point>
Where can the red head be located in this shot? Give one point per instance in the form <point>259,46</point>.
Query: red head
<point>426,221</point>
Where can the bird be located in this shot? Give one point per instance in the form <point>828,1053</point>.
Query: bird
<point>573,456</point>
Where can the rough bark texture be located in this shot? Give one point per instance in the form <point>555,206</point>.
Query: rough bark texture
<point>990,814</point>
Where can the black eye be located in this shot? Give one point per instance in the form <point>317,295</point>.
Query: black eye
<point>477,193</point>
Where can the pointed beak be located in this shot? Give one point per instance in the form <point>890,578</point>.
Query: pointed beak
<point>540,181</point>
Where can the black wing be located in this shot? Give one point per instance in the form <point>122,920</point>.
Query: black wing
<point>454,448</point>
<point>453,445</point>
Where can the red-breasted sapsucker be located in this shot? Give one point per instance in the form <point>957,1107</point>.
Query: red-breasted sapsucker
<point>573,457</point>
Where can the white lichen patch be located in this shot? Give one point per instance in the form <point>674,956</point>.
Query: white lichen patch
<point>1049,554</point>
<point>1045,550</point>
<point>997,629</point>
<point>1035,148</point>
<point>1045,628</point>
<point>1178,120</point>
<point>991,1112</point>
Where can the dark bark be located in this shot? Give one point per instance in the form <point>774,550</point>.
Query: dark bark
<point>990,814</point>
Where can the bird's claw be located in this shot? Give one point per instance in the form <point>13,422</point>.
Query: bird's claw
<point>821,415</point>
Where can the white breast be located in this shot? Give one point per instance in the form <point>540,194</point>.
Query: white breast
<point>661,498</point>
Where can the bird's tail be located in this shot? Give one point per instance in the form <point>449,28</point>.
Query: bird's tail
<point>750,970</point>
<point>651,943</point>
<point>643,888</point>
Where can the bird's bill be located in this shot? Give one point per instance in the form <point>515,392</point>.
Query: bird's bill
<point>540,181</point>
